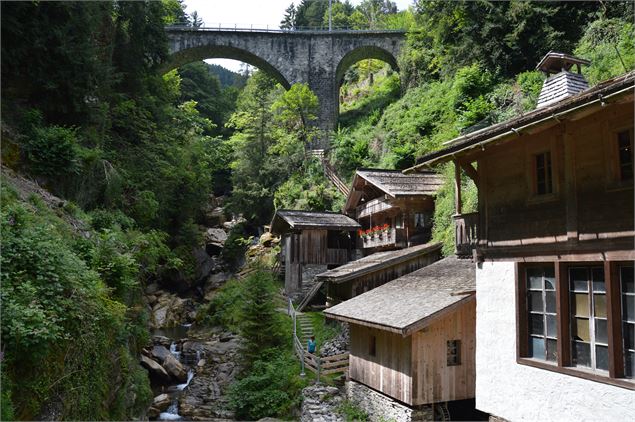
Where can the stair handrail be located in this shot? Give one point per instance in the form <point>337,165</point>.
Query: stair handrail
<point>297,344</point>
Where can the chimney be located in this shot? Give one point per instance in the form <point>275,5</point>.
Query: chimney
<point>561,82</point>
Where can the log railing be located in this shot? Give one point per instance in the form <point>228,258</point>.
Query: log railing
<point>465,233</point>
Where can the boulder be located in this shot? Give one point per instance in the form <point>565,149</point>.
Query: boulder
<point>216,236</point>
<point>160,353</point>
<point>156,371</point>
<point>175,368</point>
<point>152,288</point>
<point>161,402</point>
<point>153,412</point>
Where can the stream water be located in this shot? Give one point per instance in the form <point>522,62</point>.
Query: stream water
<point>174,391</point>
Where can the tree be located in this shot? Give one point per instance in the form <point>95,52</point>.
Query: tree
<point>197,22</point>
<point>288,21</point>
<point>259,326</point>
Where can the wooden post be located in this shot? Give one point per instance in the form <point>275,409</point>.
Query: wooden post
<point>457,186</point>
<point>614,323</point>
<point>570,191</point>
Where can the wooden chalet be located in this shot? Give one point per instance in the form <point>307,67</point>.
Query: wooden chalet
<point>357,277</point>
<point>413,341</point>
<point>394,209</point>
<point>312,242</point>
<point>554,239</point>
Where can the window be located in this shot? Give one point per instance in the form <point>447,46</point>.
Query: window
<point>544,184</point>
<point>578,319</point>
<point>399,221</point>
<point>628,318</point>
<point>625,155</point>
<point>420,220</point>
<point>454,352</point>
<point>372,346</point>
<point>589,331</point>
<point>541,300</point>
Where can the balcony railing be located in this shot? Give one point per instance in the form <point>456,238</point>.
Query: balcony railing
<point>465,233</point>
<point>389,238</point>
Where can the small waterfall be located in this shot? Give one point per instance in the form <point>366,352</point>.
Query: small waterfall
<point>171,413</point>
<point>174,352</point>
<point>190,375</point>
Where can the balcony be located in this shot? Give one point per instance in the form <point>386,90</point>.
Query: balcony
<point>465,233</point>
<point>375,206</point>
<point>389,238</point>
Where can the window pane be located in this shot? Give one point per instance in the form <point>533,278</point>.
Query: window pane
<point>534,275</point>
<point>579,279</point>
<point>628,308</point>
<point>601,334</point>
<point>581,354</point>
<point>551,301</point>
<point>537,324</point>
<point>535,302</point>
<point>537,346</point>
<point>598,274</point>
<point>550,278</point>
<point>629,335</point>
<point>600,305</point>
<point>552,350</point>
<point>629,364</point>
<point>581,304</point>
<point>626,274</point>
<point>552,329</point>
<point>598,286</point>
<point>581,329</point>
<point>602,357</point>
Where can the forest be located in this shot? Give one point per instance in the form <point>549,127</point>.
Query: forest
<point>128,160</point>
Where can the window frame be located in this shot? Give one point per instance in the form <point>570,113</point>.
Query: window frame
<point>564,364</point>
<point>616,147</point>
<point>547,169</point>
<point>453,352</point>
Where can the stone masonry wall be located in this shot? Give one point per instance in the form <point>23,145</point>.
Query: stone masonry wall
<point>381,407</point>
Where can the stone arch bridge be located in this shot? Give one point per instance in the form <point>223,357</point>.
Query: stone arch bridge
<point>317,58</point>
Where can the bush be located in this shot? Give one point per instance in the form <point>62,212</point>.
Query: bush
<point>271,388</point>
<point>351,412</point>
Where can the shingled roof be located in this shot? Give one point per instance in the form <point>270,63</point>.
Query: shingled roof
<point>375,262</point>
<point>409,303</point>
<point>286,220</point>
<point>604,92</point>
<point>393,183</point>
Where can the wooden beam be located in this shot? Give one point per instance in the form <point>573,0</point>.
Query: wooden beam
<point>614,319</point>
<point>457,186</point>
<point>563,314</point>
<point>470,171</point>
<point>522,333</point>
<point>570,191</point>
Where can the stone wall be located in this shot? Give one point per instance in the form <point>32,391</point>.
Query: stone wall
<point>380,407</point>
<point>519,392</point>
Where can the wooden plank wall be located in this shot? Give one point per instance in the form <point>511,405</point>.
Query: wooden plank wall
<point>433,380</point>
<point>389,370</point>
<point>339,292</point>
<point>314,249</point>
<point>588,201</point>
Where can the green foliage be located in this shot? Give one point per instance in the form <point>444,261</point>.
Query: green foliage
<point>65,333</point>
<point>351,412</point>
<point>260,321</point>
<point>271,388</point>
<point>309,189</point>
<point>610,46</point>
<point>322,330</point>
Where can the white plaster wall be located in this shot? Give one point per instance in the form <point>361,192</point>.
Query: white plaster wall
<point>519,392</point>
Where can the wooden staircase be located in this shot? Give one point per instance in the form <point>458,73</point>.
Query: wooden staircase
<point>308,291</point>
<point>330,172</point>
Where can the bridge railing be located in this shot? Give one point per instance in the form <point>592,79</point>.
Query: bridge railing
<point>266,28</point>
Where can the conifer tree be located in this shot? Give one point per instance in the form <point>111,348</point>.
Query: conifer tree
<point>288,22</point>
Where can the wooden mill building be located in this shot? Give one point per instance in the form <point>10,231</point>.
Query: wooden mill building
<point>413,341</point>
<point>400,205</point>
<point>554,239</point>
<point>359,276</point>
<point>312,242</point>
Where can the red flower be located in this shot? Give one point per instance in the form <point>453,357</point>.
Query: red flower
<point>360,232</point>
<point>386,226</point>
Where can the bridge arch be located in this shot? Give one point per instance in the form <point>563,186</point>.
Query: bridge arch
<point>363,53</point>
<point>212,51</point>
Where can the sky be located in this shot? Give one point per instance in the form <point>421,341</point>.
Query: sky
<point>245,13</point>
